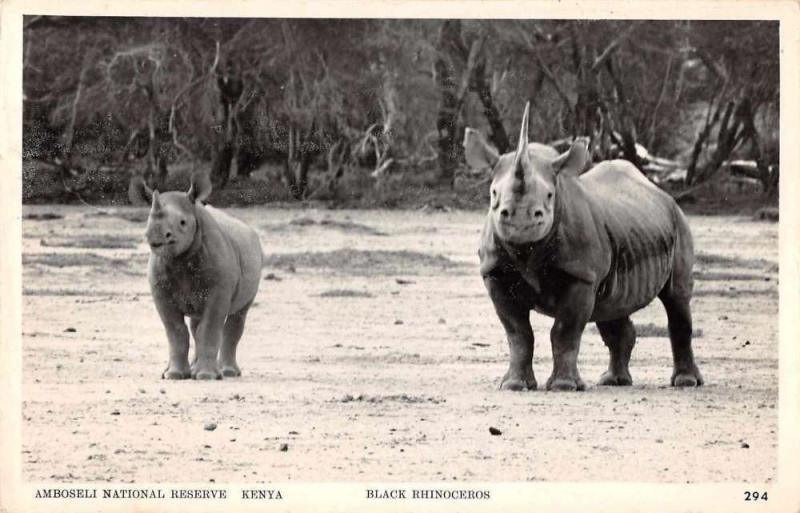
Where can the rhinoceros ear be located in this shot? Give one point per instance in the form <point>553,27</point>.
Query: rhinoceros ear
<point>139,194</point>
<point>147,192</point>
<point>200,187</point>
<point>477,152</point>
<point>575,159</point>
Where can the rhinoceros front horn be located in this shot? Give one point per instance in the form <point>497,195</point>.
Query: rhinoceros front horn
<point>522,146</point>
<point>156,206</point>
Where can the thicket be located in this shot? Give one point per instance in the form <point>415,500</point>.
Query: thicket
<point>330,106</point>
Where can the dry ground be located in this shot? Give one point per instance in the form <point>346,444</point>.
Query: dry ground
<point>374,353</point>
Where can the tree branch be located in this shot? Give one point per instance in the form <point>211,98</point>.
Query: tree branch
<point>466,77</point>
<point>612,47</point>
<point>175,103</point>
<point>718,69</point>
<point>553,80</point>
<point>661,95</point>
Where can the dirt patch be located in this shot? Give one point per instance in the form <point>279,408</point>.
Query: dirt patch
<point>104,242</point>
<point>44,216</point>
<point>733,261</point>
<point>725,276</point>
<point>134,266</point>
<point>77,292</point>
<point>399,398</point>
<point>650,330</point>
<point>132,215</point>
<point>735,293</point>
<point>365,262</point>
<point>81,260</point>
<point>345,226</point>
<point>351,227</point>
<point>345,293</point>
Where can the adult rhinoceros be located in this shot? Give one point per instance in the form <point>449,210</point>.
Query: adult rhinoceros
<point>591,247</point>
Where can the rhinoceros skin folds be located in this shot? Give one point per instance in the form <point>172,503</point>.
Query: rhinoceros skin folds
<point>614,243</point>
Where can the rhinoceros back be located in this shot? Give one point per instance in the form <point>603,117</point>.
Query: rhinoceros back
<point>644,228</point>
<point>247,247</point>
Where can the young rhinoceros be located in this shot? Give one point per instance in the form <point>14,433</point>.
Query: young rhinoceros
<point>583,248</point>
<point>205,265</point>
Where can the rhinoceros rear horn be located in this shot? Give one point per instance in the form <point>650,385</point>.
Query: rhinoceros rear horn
<point>156,206</point>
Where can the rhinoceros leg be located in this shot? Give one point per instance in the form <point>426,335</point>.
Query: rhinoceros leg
<point>234,327</point>
<point>178,337</point>
<point>573,310</point>
<point>515,318</point>
<point>193,322</point>
<point>675,296</point>
<point>619,336</point>
<point>679,324</point>
<point>208,337</point>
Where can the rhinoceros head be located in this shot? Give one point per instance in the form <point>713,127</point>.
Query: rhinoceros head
<point>172,223</point>
<point>523,193</point>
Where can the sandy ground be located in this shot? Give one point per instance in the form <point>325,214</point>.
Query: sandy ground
<point>367,378</point>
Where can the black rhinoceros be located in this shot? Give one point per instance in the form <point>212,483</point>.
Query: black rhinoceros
<point>204,265</point>
<point>591,247</point>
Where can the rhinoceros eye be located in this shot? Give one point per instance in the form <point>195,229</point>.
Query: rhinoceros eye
<point>549,195</point>
<point>183,222</point>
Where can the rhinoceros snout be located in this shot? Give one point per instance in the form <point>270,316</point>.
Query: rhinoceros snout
<point>157,238</point>
<point>159,244</point>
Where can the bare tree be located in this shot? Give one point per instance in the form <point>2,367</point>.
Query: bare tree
<point>453,70</point>
<point>743,82</point>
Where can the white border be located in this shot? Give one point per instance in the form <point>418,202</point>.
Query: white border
<point>784,494</point>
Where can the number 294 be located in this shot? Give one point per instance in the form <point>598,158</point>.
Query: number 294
<point>755,496</point>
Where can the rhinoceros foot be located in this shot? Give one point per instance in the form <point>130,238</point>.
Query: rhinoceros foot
<point>174,374</point>
<point>230,371</point>
<point>690,378</point>
<point>171,373</point>
<point>206,374</point>
<point>565,384</point>
<point>518,381</point>
<point>610,378</point>
<point>517,385</point>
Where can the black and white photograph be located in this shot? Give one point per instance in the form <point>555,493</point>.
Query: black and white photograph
<point>419,256</point>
